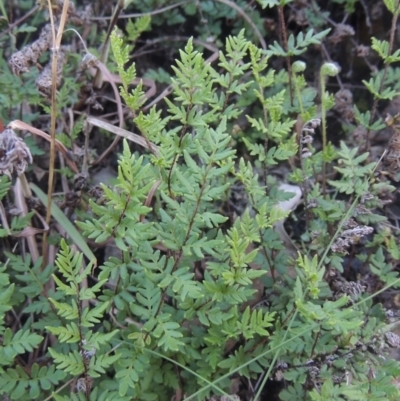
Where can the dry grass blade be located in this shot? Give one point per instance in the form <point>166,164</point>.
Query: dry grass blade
<point>150,196</point>
<point>62,219</point>
<point>20,125</point>
<point>20,203</point>
<point>113,79</point>
<point>107,74</point>
<point>56,45</point>
<point>124,133</point>
<point>30,231</point>
<point>3,219</point>
<point>138,15</point>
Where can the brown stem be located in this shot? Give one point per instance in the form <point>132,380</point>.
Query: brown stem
<point>304,184</point>
<point>81,348</point>
<point>183,132</point>
<point>271,265</point>
<point>315,343</point>
<point>285,46</point>
<point>98,81</point>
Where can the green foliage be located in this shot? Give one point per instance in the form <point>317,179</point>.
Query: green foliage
<point>135,29</point>
<point>13,93</point>
<point>200,290</point>
<point>121,54</point>
<point>374,85</point>
<point>297,45</point>
<point>353,173</point>
<point>19,384</point>
<point>4,186</point>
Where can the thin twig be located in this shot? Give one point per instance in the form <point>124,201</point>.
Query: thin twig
<point>98,80</point>
<point>138,15</point>
<point>56,46</point>
<point>22,19</point>
<point>285,46</point>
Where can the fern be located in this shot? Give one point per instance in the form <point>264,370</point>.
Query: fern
<point>18,383</point>
<point>203,287</point>
<point>85,361</point>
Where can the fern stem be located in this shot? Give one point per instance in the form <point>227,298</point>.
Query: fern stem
<point>183,132</point>
<point>323,125</point>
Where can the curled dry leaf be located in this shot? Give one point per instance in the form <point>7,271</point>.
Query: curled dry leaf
<point>14,154</point>
<point>17,124</point>
<point>44,80</point>
<point>31,231</point>
<point>350,236</point>
<point>21,60</point>
<point>20,202</point>
<point>288,205</point>
<point>344,104</point>
<point>124,133</point>
<point>150,196</point>
<point>340,32</point>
